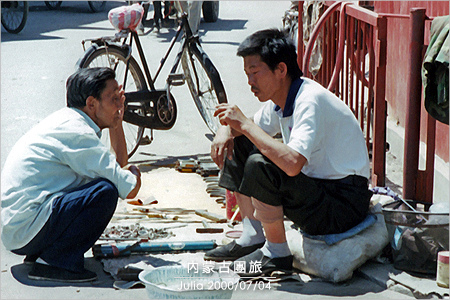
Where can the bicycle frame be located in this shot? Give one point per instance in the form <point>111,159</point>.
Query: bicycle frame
<point>144,97</point>
<point>145,105</point>
<point>188,37</point>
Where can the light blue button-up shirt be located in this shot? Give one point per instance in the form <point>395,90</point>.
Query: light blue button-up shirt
<point>59,154</point>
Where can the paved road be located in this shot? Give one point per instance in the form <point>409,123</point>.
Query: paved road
<point>36,63</point>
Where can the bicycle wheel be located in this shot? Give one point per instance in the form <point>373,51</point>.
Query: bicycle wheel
<point>53,5</point>
<point>115,58</point>
<point>210,11</point>
<point>97,6</point>
<point>204,82</point>
<point>14,15</point>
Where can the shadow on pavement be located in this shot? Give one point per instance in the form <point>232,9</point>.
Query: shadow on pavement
<point>71,15</point>
<point>20,273</point>
<point>350,288</point>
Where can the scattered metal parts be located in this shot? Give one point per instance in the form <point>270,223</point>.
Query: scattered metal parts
<point>231,223</point>
<point>208,229</point>
<point>211,216</point>
<point>186,165</point>
<point>135,202</point>
<point>134,231</point>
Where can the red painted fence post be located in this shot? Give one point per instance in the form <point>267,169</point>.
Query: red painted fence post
<point>413,102</point>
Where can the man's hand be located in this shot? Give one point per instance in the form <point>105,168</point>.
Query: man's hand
<point>287,159</point>
<point>222,145</point>
<point>231,115</point>
<point>116,134</point>
<point>120,96</point>
<point>135,170</point>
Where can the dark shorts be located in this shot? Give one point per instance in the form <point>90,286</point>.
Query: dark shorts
<point>317,206</point>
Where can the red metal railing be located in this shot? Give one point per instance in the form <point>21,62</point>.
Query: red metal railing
<point>417,184</point>
<point>354,68</point>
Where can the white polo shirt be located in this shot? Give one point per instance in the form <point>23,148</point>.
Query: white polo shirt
<point>319,126</point>
<point>59,154</point>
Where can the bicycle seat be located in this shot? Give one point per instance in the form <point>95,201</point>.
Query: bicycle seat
<point>126,17</point>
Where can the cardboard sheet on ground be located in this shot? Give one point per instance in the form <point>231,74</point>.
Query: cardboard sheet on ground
<point>337,262</point>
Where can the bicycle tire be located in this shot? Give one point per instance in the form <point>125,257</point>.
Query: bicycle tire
<point>53,5</point>
<point>98,57</point>
<point>97,6</point>
<point>204,83</point>
<point>210,11</point>
<point>14,17</point>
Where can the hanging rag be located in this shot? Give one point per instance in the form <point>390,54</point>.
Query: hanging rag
<point>435,70</point>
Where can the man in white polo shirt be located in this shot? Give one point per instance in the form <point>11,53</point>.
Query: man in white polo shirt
<point>317,177</point>
<point>60,184</point>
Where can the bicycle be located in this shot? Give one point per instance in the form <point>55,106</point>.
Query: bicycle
<point>14,15</point>
<point>94,6</point>
<point>145,105</point>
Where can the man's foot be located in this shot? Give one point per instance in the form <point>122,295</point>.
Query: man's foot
<point>256,264</point>
<point>46,272</point>
<point>231,251</point>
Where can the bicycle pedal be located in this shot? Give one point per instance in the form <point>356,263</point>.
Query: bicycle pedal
<point>176,79</point>
<point>145,141</point>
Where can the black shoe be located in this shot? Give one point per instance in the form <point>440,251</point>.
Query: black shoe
<point>46,272</point>
<point>256,264</point>
<point>30,259</point>
<point>231,251</point>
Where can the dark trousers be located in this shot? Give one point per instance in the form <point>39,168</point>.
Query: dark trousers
<point>158,16</point>
<point>77,221</point>
<point>317,206</point>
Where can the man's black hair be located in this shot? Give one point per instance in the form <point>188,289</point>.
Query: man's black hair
<point>273,46</point>
<point>87,82</point>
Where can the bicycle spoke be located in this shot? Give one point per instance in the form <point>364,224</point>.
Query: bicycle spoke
<point>13,15</point>
<point>115,59</point>
<point>201,86</point>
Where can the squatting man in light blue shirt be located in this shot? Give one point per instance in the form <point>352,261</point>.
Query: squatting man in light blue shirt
<point>60,184</point>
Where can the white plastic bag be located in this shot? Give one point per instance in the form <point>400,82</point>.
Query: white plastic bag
<point>126,17</point>
<point>337,262</point>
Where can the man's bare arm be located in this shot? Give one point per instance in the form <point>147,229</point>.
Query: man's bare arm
<point>135,170</point>
<point>287,159</point>
<point>117,136</point>
<point>118,144</point>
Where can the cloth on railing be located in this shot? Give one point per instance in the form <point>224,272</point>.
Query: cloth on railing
<point>435,70</point>
<point>312,10</point>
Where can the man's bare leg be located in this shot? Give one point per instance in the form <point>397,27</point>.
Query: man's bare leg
<point>252,232</point>
<point>272,221</point>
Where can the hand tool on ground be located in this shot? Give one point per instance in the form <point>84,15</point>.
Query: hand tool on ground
<point>162,216</point>
<point>207,229</point>
<point>140,202</point>
<point>135,202</point>
<point>154,213</point>
<point>126,249</point>
<point>211,216</point>
<point>231,222</point>
<point>189,165</point>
